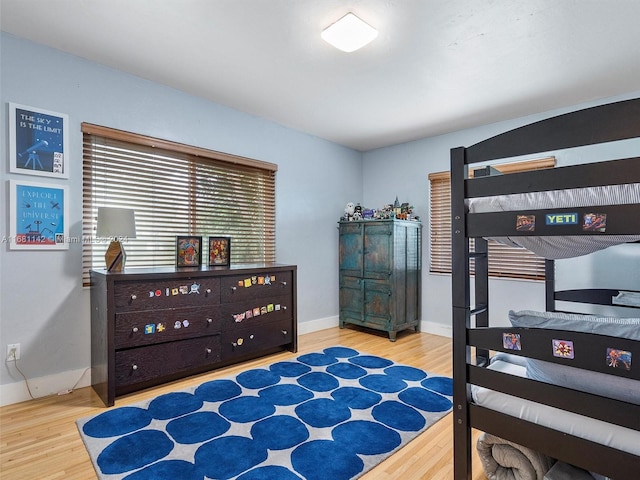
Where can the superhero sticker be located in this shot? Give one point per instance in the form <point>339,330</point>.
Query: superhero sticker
<point>617,358</point>
<point>594,222</point>
<point>525,223</point>
<point>562,348</point>
<point>511,341</point>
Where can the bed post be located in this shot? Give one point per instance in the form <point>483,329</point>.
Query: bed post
<point>481,311</point>
<point>550,285</point>
<point>461,318</point>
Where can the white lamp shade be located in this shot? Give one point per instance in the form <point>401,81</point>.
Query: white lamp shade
<point>116,222</point>
<point>349,33</point>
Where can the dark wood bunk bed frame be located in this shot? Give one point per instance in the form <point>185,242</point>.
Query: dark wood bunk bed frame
<point>600,124</point>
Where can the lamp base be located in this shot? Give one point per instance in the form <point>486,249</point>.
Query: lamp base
<point>115,257</point>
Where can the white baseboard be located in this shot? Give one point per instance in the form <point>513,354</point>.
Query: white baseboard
<point>44,386</point>
<point>318,324</point>
<point>436,329</point>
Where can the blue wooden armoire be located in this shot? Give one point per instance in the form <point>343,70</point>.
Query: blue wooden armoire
<point>380,274</point>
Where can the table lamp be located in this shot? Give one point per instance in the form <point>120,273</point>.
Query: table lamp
<point>116,223</point>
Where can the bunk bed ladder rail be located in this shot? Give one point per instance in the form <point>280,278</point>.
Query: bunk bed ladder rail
<point>463,312</point>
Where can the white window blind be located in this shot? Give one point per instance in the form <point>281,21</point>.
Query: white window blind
<point>504,261</point>
<point>175,190</point>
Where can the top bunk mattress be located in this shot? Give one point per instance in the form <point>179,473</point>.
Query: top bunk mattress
<point>556,247</point>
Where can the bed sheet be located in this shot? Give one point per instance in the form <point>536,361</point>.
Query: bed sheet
<point>615,436</point>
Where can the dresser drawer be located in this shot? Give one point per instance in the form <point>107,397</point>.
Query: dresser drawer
<point>163,294</point>
<point>255,338</point>
<point>246,287</point>
<point>156,326</point>
<point>261,310</point>
<point>147,363</point>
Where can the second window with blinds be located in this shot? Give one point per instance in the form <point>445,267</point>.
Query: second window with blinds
<point>504,261</point>
<point>175,189</point>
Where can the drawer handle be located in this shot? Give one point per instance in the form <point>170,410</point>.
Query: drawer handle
<point>284,332</point>
<point>284,307</point>
<point>209,320</point>
<point>135,329</point>
<point>233,289</point>
<point>208,291</point>
<point>134,297</point>
<point>134,367</point>
<point>284,284</point>
<point>208,350</point>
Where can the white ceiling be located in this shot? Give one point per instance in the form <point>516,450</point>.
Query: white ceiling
<point>436,66</point>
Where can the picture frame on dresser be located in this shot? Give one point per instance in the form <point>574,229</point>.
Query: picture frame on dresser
<point>219,251</point>
<point>188,251</point>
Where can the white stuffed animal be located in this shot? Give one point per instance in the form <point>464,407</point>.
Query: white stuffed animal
<point>349,209</point>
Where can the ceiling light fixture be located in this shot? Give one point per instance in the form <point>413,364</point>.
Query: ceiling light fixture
<point>349,33</point>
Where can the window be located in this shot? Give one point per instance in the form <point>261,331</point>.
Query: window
<point>175,189</point>
<point>504,261</point>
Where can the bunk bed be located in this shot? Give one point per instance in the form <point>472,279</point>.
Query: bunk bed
<point>496,362</point>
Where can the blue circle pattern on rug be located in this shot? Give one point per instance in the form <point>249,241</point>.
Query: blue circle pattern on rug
<point>197,427</point>
<point>346,370</point>
<point>172,405</point>
<point>132,451</point>
<point>325,460</point>
<point>218,390</point>
<point>366,404</point>
<point>290,369</point>
<point>366,438</point>
<point>118,422</point>
<point>280,432</point>
<point>285,394</point>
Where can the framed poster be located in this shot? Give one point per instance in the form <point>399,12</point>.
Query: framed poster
<point>219,251</point>
<point>38,216</point>
<point>38,141</point>
<point>188,251</point>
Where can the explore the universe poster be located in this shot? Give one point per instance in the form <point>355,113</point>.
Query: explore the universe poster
<point>39,216</point>
<point>38,141</point>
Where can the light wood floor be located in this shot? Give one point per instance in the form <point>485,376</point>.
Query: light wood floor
<point>39,438</point>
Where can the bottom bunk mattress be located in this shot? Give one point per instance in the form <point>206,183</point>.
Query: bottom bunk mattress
<point>615,436</point>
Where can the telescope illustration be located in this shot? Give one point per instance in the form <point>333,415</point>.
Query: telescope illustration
<point>33,154</point>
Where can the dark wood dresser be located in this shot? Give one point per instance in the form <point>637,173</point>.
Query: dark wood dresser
<point>154,325</point>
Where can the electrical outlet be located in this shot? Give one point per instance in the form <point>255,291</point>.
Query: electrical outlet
<point>13,351</point>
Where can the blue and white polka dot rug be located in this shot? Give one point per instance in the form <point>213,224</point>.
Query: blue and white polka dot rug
<point>329,415</point>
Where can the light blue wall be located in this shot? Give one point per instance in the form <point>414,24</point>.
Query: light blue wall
<point>403,170</point>
<point>42,303</point>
